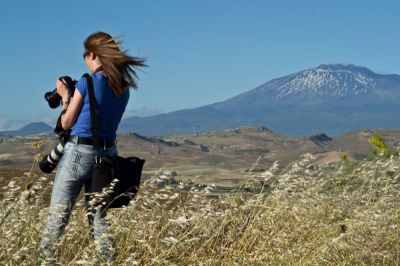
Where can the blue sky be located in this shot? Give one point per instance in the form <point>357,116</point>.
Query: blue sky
<point>199,52</point>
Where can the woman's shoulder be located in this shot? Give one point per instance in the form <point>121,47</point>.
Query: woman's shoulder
<point>100,76</point>
<point>81,82</point>
<point>81,85</point>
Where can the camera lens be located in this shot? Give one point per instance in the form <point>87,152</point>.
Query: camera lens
<point>50,161</point>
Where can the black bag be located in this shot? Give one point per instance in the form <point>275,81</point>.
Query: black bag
<point>126,170</point>
<point>107,169</point>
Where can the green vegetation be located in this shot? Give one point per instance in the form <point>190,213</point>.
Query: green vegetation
<point>379,147</point>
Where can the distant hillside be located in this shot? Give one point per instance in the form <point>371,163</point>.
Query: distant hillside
<point>214,155</point>
<point>29,129</point>
<point>334,99</point>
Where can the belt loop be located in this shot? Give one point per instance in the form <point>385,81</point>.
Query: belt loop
<point>97,159</point>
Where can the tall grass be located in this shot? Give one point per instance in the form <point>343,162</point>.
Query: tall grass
<point>301,215</point>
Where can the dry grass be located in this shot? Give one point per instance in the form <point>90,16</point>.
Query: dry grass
<point>301,215</point>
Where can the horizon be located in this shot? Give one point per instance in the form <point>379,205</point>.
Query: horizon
<point>324,64</point>
<point>198,54</point>
<point>317,132</point>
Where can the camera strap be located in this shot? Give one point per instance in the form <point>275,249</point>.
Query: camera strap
<point>93,116</point>
<point>100,68</point>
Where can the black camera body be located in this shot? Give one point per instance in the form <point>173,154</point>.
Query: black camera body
<point>53,98</point>
<point>50,161</point>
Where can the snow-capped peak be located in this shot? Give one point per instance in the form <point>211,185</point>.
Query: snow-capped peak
<point>324,80</point>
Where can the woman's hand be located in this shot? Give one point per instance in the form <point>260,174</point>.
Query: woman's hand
<point>63,90</point>
<point>70,111</point>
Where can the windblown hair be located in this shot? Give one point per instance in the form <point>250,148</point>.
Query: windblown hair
<point>117,64</point>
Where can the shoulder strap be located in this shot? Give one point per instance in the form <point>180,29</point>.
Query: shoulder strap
<point>92,101</point>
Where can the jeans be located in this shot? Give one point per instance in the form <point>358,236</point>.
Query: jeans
<point>74,172</point>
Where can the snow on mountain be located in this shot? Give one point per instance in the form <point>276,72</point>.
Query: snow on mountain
<point>324,80</point>
<point>324,84</point>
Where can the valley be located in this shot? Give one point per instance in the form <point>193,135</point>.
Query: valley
<point>217,157</point>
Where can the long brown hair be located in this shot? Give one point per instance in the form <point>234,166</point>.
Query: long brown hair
<point>117,64</point>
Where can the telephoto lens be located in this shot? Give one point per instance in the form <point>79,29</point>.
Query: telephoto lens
<point>49,162</point>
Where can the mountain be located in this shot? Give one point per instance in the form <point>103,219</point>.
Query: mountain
<point>323,84</point>
<point>332,98</point>
<point>29,129</point>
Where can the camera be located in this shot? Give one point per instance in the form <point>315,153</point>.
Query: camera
<point>53,98</point>
<point>50,161</point>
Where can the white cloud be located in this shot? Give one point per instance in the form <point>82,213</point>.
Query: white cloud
<point>144,111</point>
<point>4,123</point>
<point>48,120</point>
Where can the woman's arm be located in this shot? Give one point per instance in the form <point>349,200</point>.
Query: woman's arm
<point>70,106</point>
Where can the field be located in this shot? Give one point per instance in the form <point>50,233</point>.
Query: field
<point>221,157</point>
<point>345,213</point>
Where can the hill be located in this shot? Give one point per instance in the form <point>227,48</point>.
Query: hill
<point>222,157</point>
<point>29,129</point>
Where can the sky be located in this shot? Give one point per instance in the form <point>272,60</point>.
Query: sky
<point>198,52</point>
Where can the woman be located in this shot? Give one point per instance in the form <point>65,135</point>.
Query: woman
<point>113,73</point>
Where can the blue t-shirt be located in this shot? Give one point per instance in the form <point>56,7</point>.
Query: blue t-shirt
<point>109,107</point>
